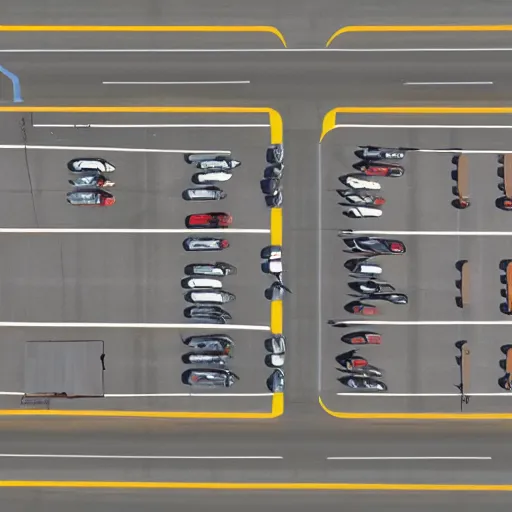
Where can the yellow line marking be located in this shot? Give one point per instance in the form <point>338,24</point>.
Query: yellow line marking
<point>329,121</point>
<point>419,28</point>
<point>413,416</point>
<point>263,486</point>
<point>275,119</point>
<point>145,28</point>
<point>276,226</point>
<point>277,410</point>
<point>329,124</point>
<point>276,317</point>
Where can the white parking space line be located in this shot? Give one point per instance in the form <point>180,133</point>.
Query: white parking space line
<point>129,231</point>
<point>101,148</point>
<point>138,457</point>
<point>100,325</point>
<point>350,232</point>
<point>428,126</point>
<point>425,322</point>
<point>227,82</point>
<point>115,126</point>
<point>395,395</point>
<point>448,83</point>
<point>160,395</point>
<point>319,269</point>
<point>407,458</point>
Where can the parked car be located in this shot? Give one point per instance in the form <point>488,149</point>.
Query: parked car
<point>209,377</point>
<point>91,180</point>
<point>358,212</point>
<point>377,153</point>
<point>218,268</point>
<point>201,282</point>
<point>276,346</point>
<point>275,154</point>
<point>357,183</point>
<point>210,177</point>
<point>90,164</point>
<point>90,197</point>
<point>275,382</point>
<point>377,169</point>
<point>274,201</point>
<point>274,171</point>
<point>205,244</point>
<point>361,337</point>
<point>375,246</point>
<point>209,297</point>
<point>363,383</point>
<point>394,298</point>
<point>207,314</point>
<point>205,193</point>
<point>271,252</point>
<point>212,220</point>
<point>210,343</point>
<point>270,187</point>
<point>207,359</point>
<point>363,267</point>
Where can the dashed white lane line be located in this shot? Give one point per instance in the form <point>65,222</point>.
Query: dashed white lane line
<point>130,231</point>
<point>407,458</point>
<point>137,457</point>
<point>350,232</point>
<point>113,149</point>
<point>150,126</point>
<point>448,83</point>
<point>100,325</point>
<point>227,82</point>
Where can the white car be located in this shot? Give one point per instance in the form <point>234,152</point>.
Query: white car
<point>361,184</point>
<point>201,282</point>
<point>276,346</point>
<point>211,177</point>
<point>362,211</point>
<point>90,164</point>
<point>209,297</point>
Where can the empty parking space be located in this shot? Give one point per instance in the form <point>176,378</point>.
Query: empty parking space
<point>446,278</point>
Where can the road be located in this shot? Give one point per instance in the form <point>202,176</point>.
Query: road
<point>302,86</point>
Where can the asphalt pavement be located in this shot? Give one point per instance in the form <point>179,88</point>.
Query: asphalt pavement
<point>303,87</point>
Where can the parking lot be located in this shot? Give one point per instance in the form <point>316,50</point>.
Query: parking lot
<point>129,278</point>
<point>419,361</point>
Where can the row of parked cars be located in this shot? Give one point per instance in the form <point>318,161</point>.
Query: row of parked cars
<point>365,273</point>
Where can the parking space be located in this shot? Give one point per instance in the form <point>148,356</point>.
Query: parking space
<point>447,278</point>
<point>131,278</point>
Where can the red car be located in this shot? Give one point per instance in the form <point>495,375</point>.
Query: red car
<point>364,309</point>
<point>362,338</point>
<point>393,171</point>
<point>209,221</point>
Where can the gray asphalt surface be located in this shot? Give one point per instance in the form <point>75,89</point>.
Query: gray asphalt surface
<point>302,98</point>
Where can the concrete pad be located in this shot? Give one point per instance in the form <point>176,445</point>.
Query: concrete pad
<point>71,368</point>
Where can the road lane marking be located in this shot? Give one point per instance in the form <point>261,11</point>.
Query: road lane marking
<point>418,28</point>
<point>161,395</point>
<point>276,226</point>
<point>101,325</point>
<point>92,125</point>
<point>138,457</point>
<point>113,149</point>
<point>276,317</point>
<point>448,83</point>
<point>319,268</point>
<point>16,87</point>
<point>146,28</point>
<point>129,231</point>
<point>227,82</point>
<point>406,458</point>
<point>258,486</point>
<point>423,233</point>
<point>425,322</point>
<point>248,50</point>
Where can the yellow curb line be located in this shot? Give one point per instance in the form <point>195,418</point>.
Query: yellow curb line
<point>276,317</point>
<point>276,136</point>
<point>413,415</point>
<point>418,28</point>
<point>277,410</point>
<point>329,121</point>
<point>275,119</point>
<point>276,238</point>
<point>329,124</point>
<point>263,486</point>
<point>145,28</point>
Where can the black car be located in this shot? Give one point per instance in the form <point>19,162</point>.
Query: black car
<point>372,245</point>
<point>270,187</point>
<point>207,314</point>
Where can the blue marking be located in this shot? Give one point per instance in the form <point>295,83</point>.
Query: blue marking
<point>16,88</point>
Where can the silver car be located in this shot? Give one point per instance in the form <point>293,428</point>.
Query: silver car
<point>218,268</point>
<point>206,193</point>
<point>205,244</point>
<point>209,297</point>
<point>210,343</point>
<point>209,378</point>
<point>275,382</point>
